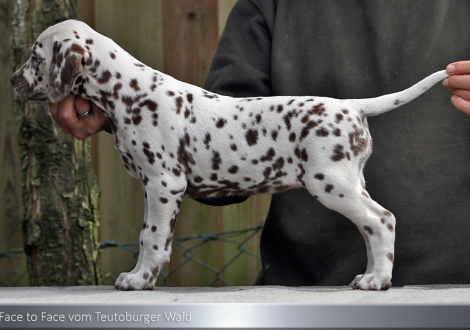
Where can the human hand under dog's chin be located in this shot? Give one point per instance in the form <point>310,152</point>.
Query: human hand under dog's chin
<point>74,117</point>
<point>458,84</point>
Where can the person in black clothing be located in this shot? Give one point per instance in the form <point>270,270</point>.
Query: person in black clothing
<point>418,170</point>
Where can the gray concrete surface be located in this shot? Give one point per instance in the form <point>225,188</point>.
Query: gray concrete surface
<point>424,294</point>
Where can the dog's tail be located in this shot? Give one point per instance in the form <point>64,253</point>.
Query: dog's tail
<point>378,105</point>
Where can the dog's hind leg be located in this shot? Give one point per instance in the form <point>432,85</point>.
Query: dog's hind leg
<point>376,224</point>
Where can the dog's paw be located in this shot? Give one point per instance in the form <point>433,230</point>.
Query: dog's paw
<point>141,280</point>
<point>119,280</point>
<point>370,282</point>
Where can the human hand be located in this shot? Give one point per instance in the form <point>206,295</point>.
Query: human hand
<point>66,113</point>
<point>458,83</point>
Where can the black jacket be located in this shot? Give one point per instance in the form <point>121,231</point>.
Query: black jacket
<point>420,167</point>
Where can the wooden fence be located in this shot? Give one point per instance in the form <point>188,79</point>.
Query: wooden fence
<point>178,37</point>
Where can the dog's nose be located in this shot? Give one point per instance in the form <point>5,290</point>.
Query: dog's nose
<point>12,79</point>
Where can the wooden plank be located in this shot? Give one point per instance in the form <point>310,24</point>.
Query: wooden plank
<point>86,12</point>
<point>190,38</point>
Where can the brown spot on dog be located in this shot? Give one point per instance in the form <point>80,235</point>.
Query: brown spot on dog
<point>357,142</point>
<point>134,84</point>
<point>207,140</point>
<point>220,123</point>
<point>339,117</point>
<point>306,129</point>
<point>319,176</point>
<point>292,137</point>
<point>329,188</point>
<point>105,76</point>
<point>274,135</point>
<point>179,104</point>
<point>322,132</point>
<point>251,137</point>
<point>269,155</point>
<point>151,105</point>
<point>369,230</point>
<point>216,160</point>
<point>338,153</point>
<point>233,169</point>
<point>278,164</point>
<point>189,97</point>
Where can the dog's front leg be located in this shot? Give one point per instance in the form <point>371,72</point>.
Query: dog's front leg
<point>156,236</point>
<point>139,260</point>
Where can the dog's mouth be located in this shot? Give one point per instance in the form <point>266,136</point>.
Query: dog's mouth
<point>27,95</point>
<point>37,98</point>
<point>34,98</point>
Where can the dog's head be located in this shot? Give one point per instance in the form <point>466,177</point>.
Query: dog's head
<point>56,61</point>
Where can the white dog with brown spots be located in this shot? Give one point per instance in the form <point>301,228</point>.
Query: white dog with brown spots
<point>182,141</point>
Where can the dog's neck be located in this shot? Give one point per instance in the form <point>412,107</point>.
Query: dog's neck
<point>116,81</point>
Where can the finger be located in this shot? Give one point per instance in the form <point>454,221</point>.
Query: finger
<point>461,104</point>
<point>92,124</point>
<point>462,67</point>
<point>463,93</point>
<point>54,107</point>
<point>64,114</point>
<point>82,106</point>
<point>457,82</point>
<point>100,122</point>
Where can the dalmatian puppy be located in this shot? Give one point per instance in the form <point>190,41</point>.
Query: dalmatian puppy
<point>182,141</point>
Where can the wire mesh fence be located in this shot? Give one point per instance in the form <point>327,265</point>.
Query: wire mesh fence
<point>187,247</point>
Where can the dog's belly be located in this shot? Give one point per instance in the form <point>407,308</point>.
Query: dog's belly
<point>248,180</point>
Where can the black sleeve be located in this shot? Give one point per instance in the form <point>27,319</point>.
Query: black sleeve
<point>242,62</point>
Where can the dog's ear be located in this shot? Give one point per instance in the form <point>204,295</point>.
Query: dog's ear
<point>65,67</point>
